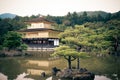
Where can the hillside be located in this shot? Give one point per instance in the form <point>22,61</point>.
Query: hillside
<point>94,13</point>
<point>7,15</point>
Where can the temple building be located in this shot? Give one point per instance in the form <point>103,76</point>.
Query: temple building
<point>40,35</point>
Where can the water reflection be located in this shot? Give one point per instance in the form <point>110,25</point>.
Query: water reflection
<point>97,77</point>
<point>50,78</point>
<point>108,66</point>
<point>22,77</point>
<point>3,77</point>
<point>19,77</point>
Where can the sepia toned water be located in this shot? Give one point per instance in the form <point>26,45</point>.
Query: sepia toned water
<point>23,77</point>
<point>25,68</point>
<point>19,77</point>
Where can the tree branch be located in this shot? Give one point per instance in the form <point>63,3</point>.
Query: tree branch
<point>73,58</point>
<point>66,57</point>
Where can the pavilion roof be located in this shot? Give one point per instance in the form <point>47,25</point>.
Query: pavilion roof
<point>38,29</point>
<point>39,19</point>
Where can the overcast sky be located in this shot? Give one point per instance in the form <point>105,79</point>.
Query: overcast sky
<point>56,7</point>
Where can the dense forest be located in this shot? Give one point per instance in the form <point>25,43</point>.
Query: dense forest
<point>104,28</point>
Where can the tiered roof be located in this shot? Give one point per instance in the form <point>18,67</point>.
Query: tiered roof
<point>40,19</point>
<point>38,29</point>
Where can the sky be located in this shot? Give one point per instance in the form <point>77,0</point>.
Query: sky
<point>56,7</point>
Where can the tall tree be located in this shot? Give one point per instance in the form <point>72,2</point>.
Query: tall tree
<point>5,26</point>
<point>84,17</point>
<point>85,40</point>
<point>77,39</point>
<point>100,18</point>
<point>113,35</point>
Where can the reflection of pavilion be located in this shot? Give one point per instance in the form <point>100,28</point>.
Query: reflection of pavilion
<point>40,35</point>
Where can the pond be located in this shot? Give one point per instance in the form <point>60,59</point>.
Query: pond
<point>30,68</point>
<point>23,77</point>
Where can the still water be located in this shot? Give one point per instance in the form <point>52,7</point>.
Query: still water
<point>23,77</point>
<point>29,68</point>
<point>19,77</point>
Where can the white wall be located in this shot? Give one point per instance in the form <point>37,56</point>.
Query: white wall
<point>56,42</point>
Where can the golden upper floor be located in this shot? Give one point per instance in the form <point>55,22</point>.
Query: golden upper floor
<point>39,28</point>
<point>43,33</point>
<point>39,23</point>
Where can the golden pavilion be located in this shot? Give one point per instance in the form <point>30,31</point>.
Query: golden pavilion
<point>40,35</point>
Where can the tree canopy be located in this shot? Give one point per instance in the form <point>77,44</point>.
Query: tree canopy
<point>13,41</point>
<point>99,32</point>
<point>8,28</point>
<point>69,54</point>
<point>82,39</point>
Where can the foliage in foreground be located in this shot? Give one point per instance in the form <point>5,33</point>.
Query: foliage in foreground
<point>83,40</point>
<point>69,54</point>
<point>13,41</point>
